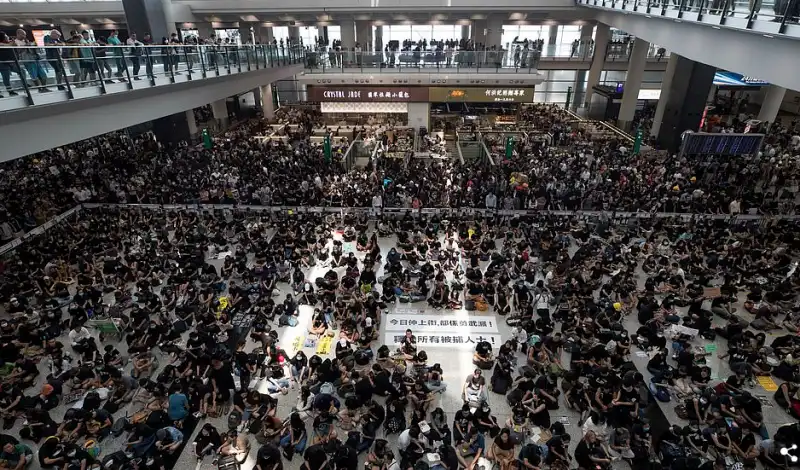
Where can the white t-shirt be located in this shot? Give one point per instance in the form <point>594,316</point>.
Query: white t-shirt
<point>404,439</point>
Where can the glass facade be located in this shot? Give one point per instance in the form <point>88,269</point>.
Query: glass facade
<point>401,32</point>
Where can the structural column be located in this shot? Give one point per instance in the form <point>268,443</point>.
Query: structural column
<point>267,105</point>
<point>264,35</point>
<point>601,38</point>
<point>553,38</point>
<point>684,100</point>
<point>204,30</point>
<point>191,122</point>
<point>149,16</point>
<point>494,32</point>
<point>666,84</point>
<point>580,75</point>
<point>378,38</point>
<point>771,104</point>
<point>294,35</point>
<point>246,33</point>
<point>220,110</point>
<point>479,31</point>
<point>633,82</point>
<point>364,35</point>
<point>465,32</point>
<point>348,40</point>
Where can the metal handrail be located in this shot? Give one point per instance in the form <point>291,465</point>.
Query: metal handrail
<point>68,67</point>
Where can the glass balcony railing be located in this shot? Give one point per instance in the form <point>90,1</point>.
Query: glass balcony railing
<point>508,60</point>
<point>46,75</point>
<point>772,16</point>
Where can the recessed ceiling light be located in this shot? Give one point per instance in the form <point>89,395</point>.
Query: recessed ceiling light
<point>768,36</point>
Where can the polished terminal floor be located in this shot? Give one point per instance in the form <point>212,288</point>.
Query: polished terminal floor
<point>456,360</point>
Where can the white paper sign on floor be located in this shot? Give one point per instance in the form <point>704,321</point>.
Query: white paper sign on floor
<point>442,323</point>
<point>409,310</point>
<point>444,340</point>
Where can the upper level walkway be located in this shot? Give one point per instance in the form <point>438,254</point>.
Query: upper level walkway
<point>42,116</point>
<point>514,60</point>
<point>35,76</point>
<point>755,38</point>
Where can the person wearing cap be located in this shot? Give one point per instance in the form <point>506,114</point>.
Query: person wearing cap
<point>53,42</point>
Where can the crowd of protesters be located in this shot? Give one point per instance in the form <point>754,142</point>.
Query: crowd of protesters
<point>567,171</point>
<point>130,333</point>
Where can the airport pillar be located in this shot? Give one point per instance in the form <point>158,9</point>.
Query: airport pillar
<point>378,39</point>
<point>633,82</point>
<point>666,83</point>
<point>580,75</point>
<point>220,110</point>
<point>149,16</point>
<point>204,30</point>
<point>267,104</point>
<point>173,129</point>
<point>364,35</point>
<point>264,35</point>
<point>246,35</point>
<point>348,39</point>
<point>598,60</point>
<point>294,35</point>
<point>685,100</point>
<point>322,34</point>
<point>465,32</point>
<point>771,104</point>
<point>479,32</point>
<point>494,32</point>
<point>191,122</point>
<point>553,38</point>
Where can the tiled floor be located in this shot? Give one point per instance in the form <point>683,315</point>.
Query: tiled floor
<point>456,362</point>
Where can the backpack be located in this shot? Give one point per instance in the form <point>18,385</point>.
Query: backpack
<point>287,320</point>
<point>362,357</point>
<point>660,392</point>
<point>327,388</point>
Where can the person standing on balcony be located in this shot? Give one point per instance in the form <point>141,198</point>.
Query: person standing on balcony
<point>113,40</point>
<point>88,68</point>
<point>135,54</point>
<point>53,55</point>
<point>7,64</point>
<point>148,41</point>
<point>29,57</point>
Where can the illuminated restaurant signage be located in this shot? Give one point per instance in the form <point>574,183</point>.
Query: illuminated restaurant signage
<point>367,94</point>
<point>481,95</point>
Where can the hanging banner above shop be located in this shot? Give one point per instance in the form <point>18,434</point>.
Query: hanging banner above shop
<point>481,95</point>
<point>368,94</point>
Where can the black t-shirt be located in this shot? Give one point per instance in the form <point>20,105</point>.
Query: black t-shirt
<point>583,453</point>
<point>315,456</point>
<point>268,456</point>
<point>223,377</point>
<point>463,419</point>
<point>507,445</point>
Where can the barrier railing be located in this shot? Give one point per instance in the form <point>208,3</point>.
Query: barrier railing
<point>70,70</point>
<point>349,157</point>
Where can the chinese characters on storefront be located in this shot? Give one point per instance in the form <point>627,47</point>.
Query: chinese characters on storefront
<point>368,94</point>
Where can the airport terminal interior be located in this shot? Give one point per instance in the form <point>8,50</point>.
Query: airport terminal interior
<point>539,235</point>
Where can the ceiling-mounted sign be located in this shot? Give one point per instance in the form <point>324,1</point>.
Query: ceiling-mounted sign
<point>373,94</point>
<point>725,78</point>
<point>481,94</point>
